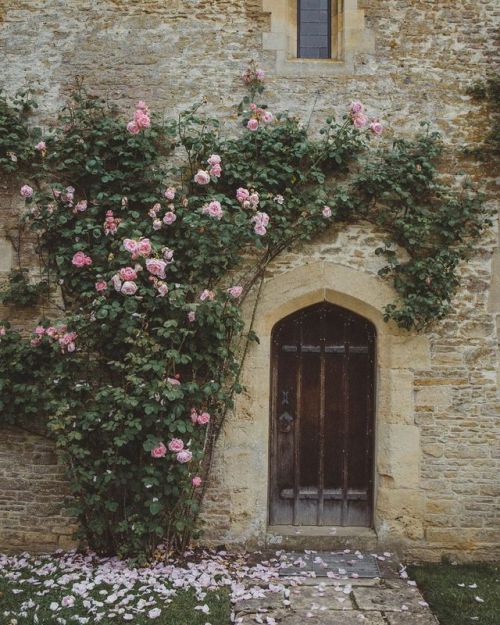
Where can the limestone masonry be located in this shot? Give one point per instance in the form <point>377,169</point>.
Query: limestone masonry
<point>437,461</point>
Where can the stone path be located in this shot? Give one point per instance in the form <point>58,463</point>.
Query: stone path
<point>324,601</point>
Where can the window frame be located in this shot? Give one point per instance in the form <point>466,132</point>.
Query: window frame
<point>350,38</point>
<point>329,33</point>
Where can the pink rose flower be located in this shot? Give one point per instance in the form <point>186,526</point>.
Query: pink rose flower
<point>176,445</point>
<point>67,341</point>
<point>81,206</point>
<point>206,294</point>
<point>202,177</point>
<point>144,247</point>
<point>157,224</point>
<point>68,601</point>
<point>196,481</point>
<point>67,338</point>
<point>169,218</point>
<point>133,128</point>
<point>156,267</point>
<point>39,330</point>
<point>252,124</point>
<point>116,282</point>
<point>26,191</point>
<point>41,146</point>
<point>130,245</point>
<point>51,331</point>
<point>253,198</point>
<point>326,212</point>
<point>129,288</point>
<point>376,127</point>
<point>127,273</point>
<point>173,381</point>
<point>81,260</point>
<point>168,254</point>
<point>100,286</point>
<point>253,106</point>
<point>267,117</point>
<point>111,224</point>
<point>142,119</point>
<point>194,415</point>
<point>162,289</point>
<point>191,316</point>
<point>261,218</point>
<point>142,106</point>
<point>170,193</point>
<point>203,418</point>
<point>235,291</point>
<point>184,456</point>
<point>355,107</point>
<point>216,171</point>
<point>3,331</point>
<point>260,74</point>
<point>35,342</point>
<point>214,159</point>
<point>213,209</point>
<point>242,194</point>
<point>260,230</point>
<point>359,121</point>
<point>159,451</point>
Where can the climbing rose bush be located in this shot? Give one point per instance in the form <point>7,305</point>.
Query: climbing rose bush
<point>153,261</point>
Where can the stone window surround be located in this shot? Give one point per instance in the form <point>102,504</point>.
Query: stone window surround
<point>350,37</point>
<point>399,501</point>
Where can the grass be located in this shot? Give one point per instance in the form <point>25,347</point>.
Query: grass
<point>454,604</point>
<point>179,612</point>
<point>82,589</point>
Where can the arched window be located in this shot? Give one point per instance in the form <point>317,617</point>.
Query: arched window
<point>314,29</point>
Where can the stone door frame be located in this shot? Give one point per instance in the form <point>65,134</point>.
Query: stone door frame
<point>398,500</point>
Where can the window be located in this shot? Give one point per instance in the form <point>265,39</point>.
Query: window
<point>314,22</point>
<point>316,37</point>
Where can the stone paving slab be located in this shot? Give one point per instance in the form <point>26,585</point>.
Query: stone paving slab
<point>335,618</point>
<point>271,601</point>
<point>329,598</point>
<point>328,581</point>
<point>389,599</point>
<point>403,618</point>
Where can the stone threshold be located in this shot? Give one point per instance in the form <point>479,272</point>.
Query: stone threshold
<point>321,538</point>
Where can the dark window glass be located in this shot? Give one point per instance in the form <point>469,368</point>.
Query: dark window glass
<point>314,20</point>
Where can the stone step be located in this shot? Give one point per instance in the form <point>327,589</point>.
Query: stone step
<point>291,537</point>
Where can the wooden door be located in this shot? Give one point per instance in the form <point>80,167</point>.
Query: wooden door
<point>322,418</point>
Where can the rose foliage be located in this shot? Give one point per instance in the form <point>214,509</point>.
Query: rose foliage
<point>155,231</point>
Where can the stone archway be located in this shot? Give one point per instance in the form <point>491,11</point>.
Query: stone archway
<point>244,458</point>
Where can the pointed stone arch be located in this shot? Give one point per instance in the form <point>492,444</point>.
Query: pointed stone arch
<point>398,501</point>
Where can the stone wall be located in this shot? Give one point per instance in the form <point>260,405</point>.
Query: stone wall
<point>32,490</point>
<point>422,56</point>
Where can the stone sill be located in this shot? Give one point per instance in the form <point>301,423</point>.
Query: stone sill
<point>311,68</point>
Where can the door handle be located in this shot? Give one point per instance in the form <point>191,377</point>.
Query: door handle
<point>286,418</point>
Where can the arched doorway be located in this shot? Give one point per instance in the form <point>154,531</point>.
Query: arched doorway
<point>322,418</point>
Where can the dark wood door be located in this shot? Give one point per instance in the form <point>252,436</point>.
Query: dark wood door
<point>322,418</point>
